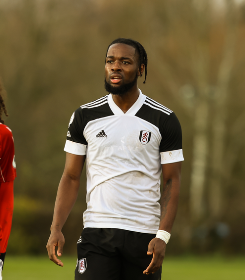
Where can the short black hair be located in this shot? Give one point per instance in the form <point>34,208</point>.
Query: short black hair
<point>138,47</point>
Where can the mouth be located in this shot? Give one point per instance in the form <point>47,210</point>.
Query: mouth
<point>115,79</point>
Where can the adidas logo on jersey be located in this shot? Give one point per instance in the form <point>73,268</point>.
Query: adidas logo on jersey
<point>101,134</point>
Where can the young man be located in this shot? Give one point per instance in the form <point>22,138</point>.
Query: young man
<point>127,139</point>
<point>7,176</point>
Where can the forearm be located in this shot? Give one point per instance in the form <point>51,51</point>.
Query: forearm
<point>65,199</point>
<point>169,203</point>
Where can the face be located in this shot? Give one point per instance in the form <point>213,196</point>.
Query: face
<point>121,69</point>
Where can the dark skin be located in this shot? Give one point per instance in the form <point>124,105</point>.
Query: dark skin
<point>169,203</point>
<point>122,62</point>
<point>65,199</point>
<point>121,67</point>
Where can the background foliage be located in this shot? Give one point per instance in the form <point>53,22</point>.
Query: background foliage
<point>52,61</point>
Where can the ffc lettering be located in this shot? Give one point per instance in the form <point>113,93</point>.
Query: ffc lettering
<point>145,137</point>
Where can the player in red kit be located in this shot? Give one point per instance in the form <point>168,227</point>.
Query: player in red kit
<point>7,176</point>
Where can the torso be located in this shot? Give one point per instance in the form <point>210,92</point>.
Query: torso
<point>123,162</point>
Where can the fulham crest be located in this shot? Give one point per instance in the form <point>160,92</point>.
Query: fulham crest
<point>145,137</point>
<point>82,265</point>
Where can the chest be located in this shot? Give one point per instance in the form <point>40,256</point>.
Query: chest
<point>122,135</point>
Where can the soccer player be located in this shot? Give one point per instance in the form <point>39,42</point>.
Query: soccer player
<point>128,140</point>
<point>7,176</point>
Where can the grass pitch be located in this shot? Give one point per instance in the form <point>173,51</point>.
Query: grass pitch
<point>184,268</point>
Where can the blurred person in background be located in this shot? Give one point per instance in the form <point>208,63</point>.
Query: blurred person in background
<point>7,176</point>
<point>128,140</point>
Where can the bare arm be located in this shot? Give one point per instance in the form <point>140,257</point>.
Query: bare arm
<point>65,199</point>
<point>169,205</point>
<point>170,195</point>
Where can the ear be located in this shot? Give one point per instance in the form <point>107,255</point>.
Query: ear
<point>141,70</point>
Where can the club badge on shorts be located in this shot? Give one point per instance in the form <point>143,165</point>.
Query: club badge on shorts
<point>145,137</point>
<point>82,265</point>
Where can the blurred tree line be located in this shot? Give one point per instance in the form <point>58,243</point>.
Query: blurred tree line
<point>52,61</point>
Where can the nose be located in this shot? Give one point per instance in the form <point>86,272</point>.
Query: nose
<point>116,66</point>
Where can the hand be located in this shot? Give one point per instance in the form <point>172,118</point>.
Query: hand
<point>156,247</point>
<point>56,239</point>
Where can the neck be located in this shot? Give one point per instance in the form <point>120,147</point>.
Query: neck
<point>126,101</point>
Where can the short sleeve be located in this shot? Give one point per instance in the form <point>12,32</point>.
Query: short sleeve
<point>7,161</point>
<point>75,140</point>
<point>171,143</point>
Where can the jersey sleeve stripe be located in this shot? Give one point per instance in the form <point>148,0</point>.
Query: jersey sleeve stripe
<point>172,156</point>
<point>75,148</point>
<point>158,104</point>
<point>156,108</point>
<point>96,101</point>
<point>93,106</point>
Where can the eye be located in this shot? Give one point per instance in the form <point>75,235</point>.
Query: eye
<point>109,61</point>
<point>125,62</point>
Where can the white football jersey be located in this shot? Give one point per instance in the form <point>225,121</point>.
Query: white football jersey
<point>124,153</point>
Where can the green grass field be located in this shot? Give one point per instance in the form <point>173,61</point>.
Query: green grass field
<point>184,268</point>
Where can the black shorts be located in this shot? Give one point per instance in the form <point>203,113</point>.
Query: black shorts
<point>113,254</point>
